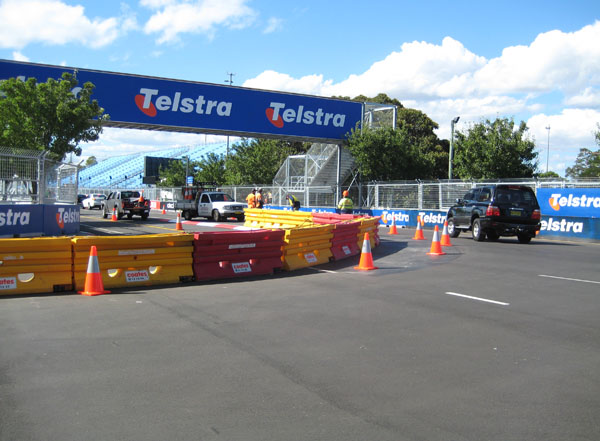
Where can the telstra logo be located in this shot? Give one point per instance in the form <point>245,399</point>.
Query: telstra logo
<point>557,201</point>
<point>278,115</point>
<point>200,105</point>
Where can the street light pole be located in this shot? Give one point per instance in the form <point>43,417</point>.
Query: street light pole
<point>454,121</point>
<point>230,81</point>
<point>548,154</point>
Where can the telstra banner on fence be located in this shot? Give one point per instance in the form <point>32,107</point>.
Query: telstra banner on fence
<point>575,202</point>
<point>136,101</point>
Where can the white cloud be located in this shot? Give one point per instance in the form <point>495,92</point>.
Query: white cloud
<point>24,22</point>
<point>589,97</point>
<point>118,142</point>
<point>274,24</point>
<point>198,17</point>
<point>18,56</point>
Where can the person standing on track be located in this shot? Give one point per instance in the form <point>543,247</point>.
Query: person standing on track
<point>346,206</point>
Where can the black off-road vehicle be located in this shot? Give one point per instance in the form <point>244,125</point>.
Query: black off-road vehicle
<point>496,210</point>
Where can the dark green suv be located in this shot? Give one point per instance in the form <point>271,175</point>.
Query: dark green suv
<point>496,210</point>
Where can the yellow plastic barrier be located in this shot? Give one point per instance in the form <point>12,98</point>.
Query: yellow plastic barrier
<point>157,259</point>
<point>368,225</point>
<point>35,265</point>
<point>257,218</point>
<point>307,246</point>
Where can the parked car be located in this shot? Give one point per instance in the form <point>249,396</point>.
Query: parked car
<point>80,198</point>
<point>496,210</point>
<point>93,201</point>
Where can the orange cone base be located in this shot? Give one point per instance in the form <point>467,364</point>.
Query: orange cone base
<point>393,229</point>
<point>419,235</point>
<point>93,285</point>
<point>436,253</point>
<point>365,266</point>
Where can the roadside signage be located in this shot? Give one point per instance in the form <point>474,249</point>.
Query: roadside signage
<point>135,101</point>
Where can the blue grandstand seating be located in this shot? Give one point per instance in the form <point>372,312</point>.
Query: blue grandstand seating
<point>127,171</point>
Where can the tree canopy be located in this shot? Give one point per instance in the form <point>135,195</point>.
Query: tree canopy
<point>49,116</point>
<point>587,164</point>
<point>495,149</point>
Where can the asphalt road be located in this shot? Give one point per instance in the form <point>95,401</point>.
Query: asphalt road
<point>400,353</point>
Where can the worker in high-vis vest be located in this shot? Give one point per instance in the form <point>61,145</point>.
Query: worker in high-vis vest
<point>345,205</point>
<point>294,202</point>
<point>251,199</point>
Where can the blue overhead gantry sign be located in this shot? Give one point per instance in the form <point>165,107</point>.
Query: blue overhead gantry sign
<point>142,102</point>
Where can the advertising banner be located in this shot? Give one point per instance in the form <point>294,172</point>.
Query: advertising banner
<point>147,102</point>
<point>38,220</point>
<point>577,202</point>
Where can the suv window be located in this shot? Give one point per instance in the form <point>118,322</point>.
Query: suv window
<point>485,195</point>
<point>205,199</point>
<point>515,196</point>
<point>130,194</point>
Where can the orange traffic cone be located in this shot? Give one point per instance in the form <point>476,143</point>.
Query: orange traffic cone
<point>178,225</point>
<point>419,232</point>
<point>164,211</point>
<point>436,247</point>
<point>366,258</point>
<point>393,229</point>
<point>93,278</point>
<point>114,215</point>
<point>445,236</point>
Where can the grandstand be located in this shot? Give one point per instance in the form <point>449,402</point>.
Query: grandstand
<point>128,171</point>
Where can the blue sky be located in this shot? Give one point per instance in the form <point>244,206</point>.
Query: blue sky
<point>534,61</point>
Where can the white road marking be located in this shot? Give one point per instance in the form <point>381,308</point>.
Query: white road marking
<point>477,298</point>
<point>567,278</point>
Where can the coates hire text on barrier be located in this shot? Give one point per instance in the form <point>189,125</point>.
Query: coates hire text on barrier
<point>146,102</point>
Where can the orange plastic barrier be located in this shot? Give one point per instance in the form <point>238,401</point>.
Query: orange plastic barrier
<point>224,254</point>
<point>156,259</point>
<point>35,265</point>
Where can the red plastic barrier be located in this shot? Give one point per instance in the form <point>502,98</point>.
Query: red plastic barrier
<point>225,254</point>
<point>331,218</point>
<point>343,243</point>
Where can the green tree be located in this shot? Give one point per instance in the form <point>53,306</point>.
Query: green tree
<point>495,149</point>
<point>587,164</point>
<point>256,161</point>
<point>386,155</point>
<point>48,116</point>
<point>548,174</point>
<point>91,161</point>
<point>211,168</point>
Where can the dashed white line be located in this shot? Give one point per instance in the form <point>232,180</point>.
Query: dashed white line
<point>569,279</point>
<point>477,298</point>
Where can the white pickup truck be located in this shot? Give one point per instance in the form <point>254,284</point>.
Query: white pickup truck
<point>214,205</point>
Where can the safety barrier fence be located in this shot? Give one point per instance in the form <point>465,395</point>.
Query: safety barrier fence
<point>59,264</point>
<point>158,259</point>
<point>222,254</point>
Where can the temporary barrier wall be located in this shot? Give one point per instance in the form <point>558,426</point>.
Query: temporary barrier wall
<point>223,254</point>
<point>157,259</point>
<point>258,218</point>
<point>368,225</point>
<point>307,246</point>
<point>35,265</point>
<point>344,243</point>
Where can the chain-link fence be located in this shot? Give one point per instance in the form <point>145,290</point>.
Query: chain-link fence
<point>428,195</point>
<point>27,177</point>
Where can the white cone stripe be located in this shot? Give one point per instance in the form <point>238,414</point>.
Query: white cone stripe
<point>436,236</point>
<point>366,247</point>
<point>93,267</point>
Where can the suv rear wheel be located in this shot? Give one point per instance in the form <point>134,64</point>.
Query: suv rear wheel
<point>478,233</point>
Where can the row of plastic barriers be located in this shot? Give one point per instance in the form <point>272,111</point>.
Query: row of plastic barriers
<point>60,264</point>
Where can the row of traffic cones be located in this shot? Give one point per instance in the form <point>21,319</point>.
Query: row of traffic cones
<point>436,243</point>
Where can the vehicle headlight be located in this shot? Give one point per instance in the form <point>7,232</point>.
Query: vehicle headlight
<point>228,207</point>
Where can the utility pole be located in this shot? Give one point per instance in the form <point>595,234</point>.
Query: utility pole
<point>451,153</point>
<point>548,154</point>
<point>230,81</point>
